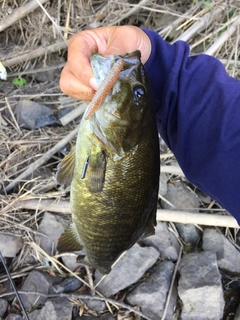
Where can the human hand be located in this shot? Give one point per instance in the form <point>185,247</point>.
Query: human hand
<point>77,77</point>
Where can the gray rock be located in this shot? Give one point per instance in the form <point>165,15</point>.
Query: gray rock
<point>95,305</point>
<point>13,316</point>
<point>32,115</point>
<point>128,270</point>
<point>189,233</point>
<point>54,309</point>
<point>238,238</point>
<point>164,241</point>
<point>51,227</point>
<point>37,282</point>
<point>203,197</point>
<point>183,198</point>
<point>70,259</point>
<point>3,307</point>
<point>227,255</point>
<point>67,285</point>
<point>200,287</point>
<point>237,314</point>
<point>10,245</point>
<point>163,184</point>
<point>104,317</point>
<point>163,145</point>
<point>151,294</point>
<point>7,288</point>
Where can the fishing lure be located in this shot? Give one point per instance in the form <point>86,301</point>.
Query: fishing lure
<point>104,88</point>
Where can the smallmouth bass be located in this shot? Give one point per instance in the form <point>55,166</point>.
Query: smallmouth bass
<point>114,168</point>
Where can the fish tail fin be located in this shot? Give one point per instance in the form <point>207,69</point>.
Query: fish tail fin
<point>103,269</point>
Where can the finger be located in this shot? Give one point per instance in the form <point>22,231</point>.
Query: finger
<point>71,86</point>
<point>80,49</point>
<point>126,39</point>
<point>93,83</point>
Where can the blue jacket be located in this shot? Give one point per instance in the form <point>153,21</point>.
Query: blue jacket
<point>197,108</point>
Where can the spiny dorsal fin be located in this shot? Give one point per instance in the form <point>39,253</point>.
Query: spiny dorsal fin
<point>96,171</point>
<point>69,240</point>
<point>66,168</point>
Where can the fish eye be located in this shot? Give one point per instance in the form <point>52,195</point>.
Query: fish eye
<point>139,93</point>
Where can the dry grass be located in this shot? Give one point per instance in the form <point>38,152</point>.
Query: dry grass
<point>42,35</point>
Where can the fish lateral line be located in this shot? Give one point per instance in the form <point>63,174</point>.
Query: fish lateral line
<point>104,88</point>
<point>84,170</point>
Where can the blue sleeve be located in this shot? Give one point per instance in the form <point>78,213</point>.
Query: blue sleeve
<point>197,108</point>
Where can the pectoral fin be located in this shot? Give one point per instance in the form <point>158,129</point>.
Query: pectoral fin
<point>69,240</point>
<point>95,174</point>
<point>66,168</point>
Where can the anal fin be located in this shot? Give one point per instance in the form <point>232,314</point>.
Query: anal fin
<point>69,240</point>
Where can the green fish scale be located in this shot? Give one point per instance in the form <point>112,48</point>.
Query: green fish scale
<point>111,221</point>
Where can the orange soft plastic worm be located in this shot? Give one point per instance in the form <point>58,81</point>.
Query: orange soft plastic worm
<point>104,88</point>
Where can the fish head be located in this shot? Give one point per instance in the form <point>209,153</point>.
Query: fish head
<point>120,119</point>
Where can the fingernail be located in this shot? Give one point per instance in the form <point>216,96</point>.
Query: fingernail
<point>93,83</point>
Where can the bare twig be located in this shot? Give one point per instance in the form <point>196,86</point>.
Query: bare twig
<point>42,160</point>
<point>73,114</point>
<point>67,20</point>
<point>162,215</point>
<point>130,12</point>
<point>84,297</point>
<point>50,205</point>
<point>214,33</point>
<point>13,117</point>
<point>13,286</point>
<point>90,280</point>
<point>19,13</point>
<point>197,218</point>
<point>203,23</point>
<point>164,32</point>
<point>172,282</point>
<point>56,26</point>
<point>227,34</point>
<point>173,170</point>
<point>34,54</point>
<point>48,68</point>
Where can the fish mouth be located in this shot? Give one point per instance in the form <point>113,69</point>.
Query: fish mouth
<point>106,78</point>
<point>101,66</point>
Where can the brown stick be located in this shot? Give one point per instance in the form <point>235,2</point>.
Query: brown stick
<point>46,204</point>
<point>35,54</point>
<point>197,218</point>
<point>162,215</point>
<point>201,24</point>
<point>46,156</point>
<point>227,34</point>
<point>81,296</point>
<point>19,13</point>
<point>73,114</point>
